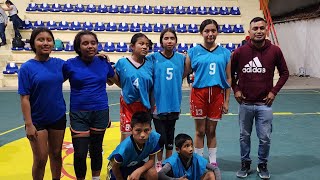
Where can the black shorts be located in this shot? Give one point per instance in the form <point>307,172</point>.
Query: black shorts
<point>58,125</point>
<point>165,126</point>
<point>84,121</point>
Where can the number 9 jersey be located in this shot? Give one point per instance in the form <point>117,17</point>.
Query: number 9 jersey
<point>209,66</point>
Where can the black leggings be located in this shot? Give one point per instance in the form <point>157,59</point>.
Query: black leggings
<point>166,129</point>
<point>81,146</point>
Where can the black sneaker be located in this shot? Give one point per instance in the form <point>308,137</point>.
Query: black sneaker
<point>245,169</point>
<point>263,171</point>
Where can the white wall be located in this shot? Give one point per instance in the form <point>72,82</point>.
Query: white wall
<point>300,44</point>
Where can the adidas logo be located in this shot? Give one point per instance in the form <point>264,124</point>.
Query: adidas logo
<point>254,66</point>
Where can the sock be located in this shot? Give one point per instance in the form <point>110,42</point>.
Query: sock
<point>212,155</point>
<point>95,177</point>
<point>199,151</point>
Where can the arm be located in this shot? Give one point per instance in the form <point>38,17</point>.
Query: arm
<point>5,17</point>
<point>215,170</point>
<point>148,165</point>
<point>116,170</point>
<point>227,91</point>
<point>187,67</point>
<point>7,8</point>
<point>114,80</point>
<point>31,131</point>
<point>163,173</point>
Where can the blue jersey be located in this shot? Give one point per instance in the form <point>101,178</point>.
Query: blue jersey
<point>126,149</point>
<point>194,172</point>
<point>42,81</point>
<point>209,66</point>
<point>136,83</point>
<point>88,83</point>
<point>167,75</point>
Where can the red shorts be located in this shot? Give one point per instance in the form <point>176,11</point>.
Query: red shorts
<point>126,112</point>
<point>207,103</point>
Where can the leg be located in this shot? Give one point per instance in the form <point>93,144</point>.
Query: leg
<point>208,176</point>
<point>211,140</point>
<point>2,34</point>
<point>40,154</point>
<point>199,137</point>
<point>160,128</point>
<point>55,141</point>
<point>95,148</point>
<point>246,115</point>
<point>263,121</point>
<point>80,145</point>
<point>169,129</point>
<point>151,174</point>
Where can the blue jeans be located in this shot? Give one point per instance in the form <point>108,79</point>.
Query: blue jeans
<point>2,33</point>
<point>263,116</point>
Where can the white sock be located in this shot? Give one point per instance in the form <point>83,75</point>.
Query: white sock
<point>95,177</point>
<point>212,155</point>
<point>199,151</point>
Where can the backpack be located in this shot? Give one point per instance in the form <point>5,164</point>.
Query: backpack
<point>17,42</point>
<point>58,45</point>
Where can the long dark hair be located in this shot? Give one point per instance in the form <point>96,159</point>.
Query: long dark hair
<point>35,33</point>
<point>9,2</point>
<point>77,40</point>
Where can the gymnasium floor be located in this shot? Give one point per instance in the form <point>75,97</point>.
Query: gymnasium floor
<point>294,149</point>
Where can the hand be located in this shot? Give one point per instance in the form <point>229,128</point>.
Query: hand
<point>183,177</point>
<point>239,96</point>
<point>269,99</point>
<point>135,175</point>
<point>31,132</point>
<point>225,108</point>
<point>104,56</point>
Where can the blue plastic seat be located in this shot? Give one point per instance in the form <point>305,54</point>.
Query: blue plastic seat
<point>169,10</point>
<point>91,8</point>
<point>146,27</point>
<point>226,28</point>
<point>224,10</point>
<point>135,27</point>
<point>231,47</point>
<point>124,27</point>
<point>69,46</point>
<point>147,9</point>
<point>157,47</point>
<point>235,10</point>
<point>55,7</point>
<point>193,45</point>
<point>182,47</point>
<point>238,28</point>
<point>122,47</point>
<point>87,26</point>
<point>27,24</point>
<point>125,9</point>
<point>136,9</point>
<point>79,8</point>
<point>99,26</point>
<point>113,9</point>
<point>181,28</point>
<point>191,10</point>
<point>44,7</point>
<point>158,27</point>
<point>75,26</point>
<point>170,25</point>
<point>11,68</point>
<point>32,7</point>
<point>102,8</point>
<point>213,10</point>
<point>202,10</point>
<point>109,47</point>
<point>67,8</point>
<point>100,48</point>
<point>193,28</point>
<point>52,25</point>
<point>111,26</point>
<point>38,24</point>
<point>158,10</point>
<point>63,25</point>
<point>219,29</point>
<point>180,10</point>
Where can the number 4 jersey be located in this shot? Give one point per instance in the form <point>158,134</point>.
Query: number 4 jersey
<point>209,66</point>
<point>167,75</point>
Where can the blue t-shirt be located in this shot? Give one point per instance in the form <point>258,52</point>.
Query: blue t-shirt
<point>167,75</point>
<point>126,149</point>
<point>88,83</point>
<point>136,83</point>
<point>209,66</point>
<point>42,81</point>
<point>194,172</point>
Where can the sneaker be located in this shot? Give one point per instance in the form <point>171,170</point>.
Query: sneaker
<point>245,169</point>
<point>158,166</point>
<point>263,171</point>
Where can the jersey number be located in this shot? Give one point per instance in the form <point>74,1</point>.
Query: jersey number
<point>133,163</point>
<point>136,83</point>
<point>169,73</point>
<point>212,68</point>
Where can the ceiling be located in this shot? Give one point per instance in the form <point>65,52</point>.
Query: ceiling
<point>281,7</point>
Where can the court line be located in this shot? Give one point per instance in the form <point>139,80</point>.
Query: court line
<point>275,113</point>
<point>14,129</point>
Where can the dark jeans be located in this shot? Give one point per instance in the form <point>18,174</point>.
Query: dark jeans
<point>17,23</point>
<point>2,33</point>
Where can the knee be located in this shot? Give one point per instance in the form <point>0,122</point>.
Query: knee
<point>200,132</point>
<point>209,176</point>
<point>40,162</point>
<point>151,174</point>
<point>56,154</point>
<point>211,133</point>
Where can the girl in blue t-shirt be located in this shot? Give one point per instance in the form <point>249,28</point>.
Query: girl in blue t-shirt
<point>40,87</point>
<point>209,97</point>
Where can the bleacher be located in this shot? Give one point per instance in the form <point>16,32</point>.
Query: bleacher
<point>115,23</point>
